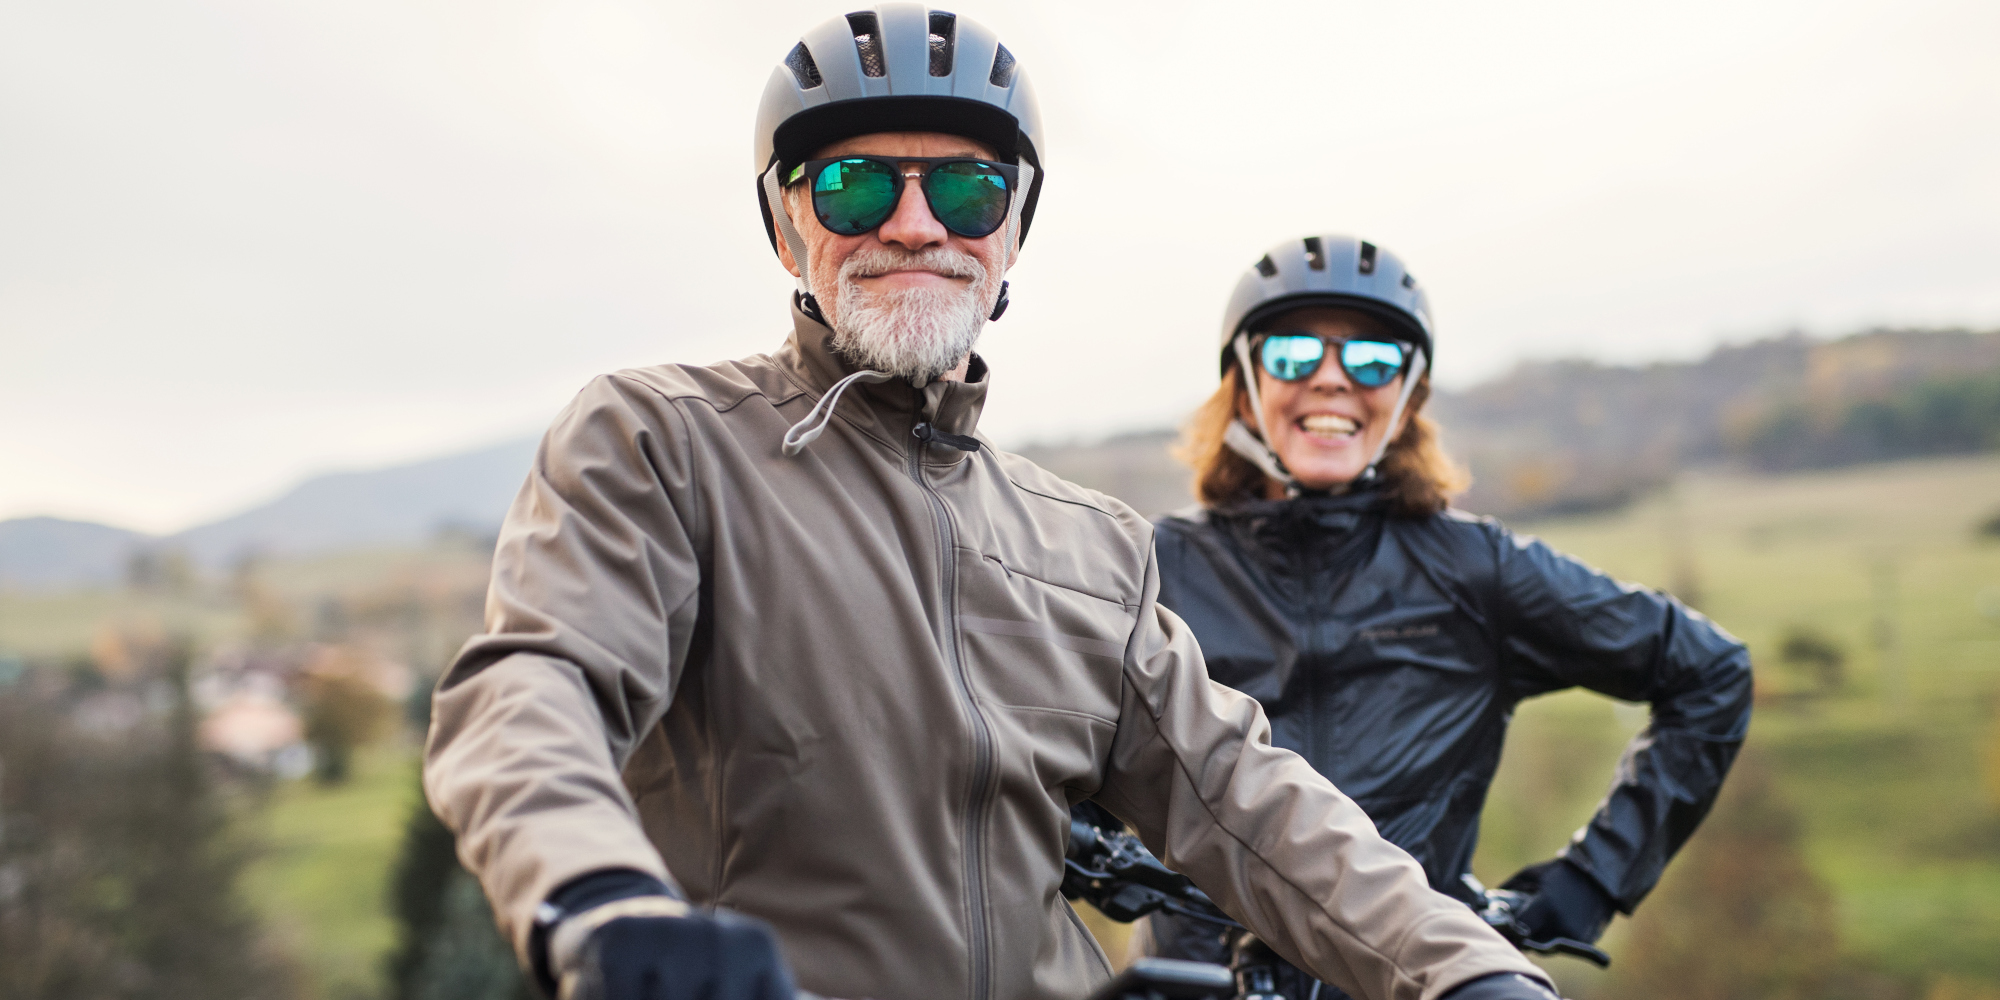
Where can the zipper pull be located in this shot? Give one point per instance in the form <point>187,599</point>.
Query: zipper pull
<point>928,434</point>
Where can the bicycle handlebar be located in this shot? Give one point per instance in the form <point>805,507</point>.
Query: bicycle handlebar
<point>1112,871</point>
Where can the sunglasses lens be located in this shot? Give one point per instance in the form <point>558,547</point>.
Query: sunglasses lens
<point>1371,363</point>
<point>1290,357</point>
<point>853,196</point>
<point>970,198</point>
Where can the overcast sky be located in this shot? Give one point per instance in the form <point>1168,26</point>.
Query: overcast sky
<point>242,241</point>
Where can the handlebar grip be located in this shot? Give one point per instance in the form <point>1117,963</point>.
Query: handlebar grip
<point>1168,979</point>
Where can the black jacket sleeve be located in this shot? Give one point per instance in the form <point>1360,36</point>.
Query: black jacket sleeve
<point>1562,624</point>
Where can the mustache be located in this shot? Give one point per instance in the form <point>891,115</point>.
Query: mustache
<point>874,261</point>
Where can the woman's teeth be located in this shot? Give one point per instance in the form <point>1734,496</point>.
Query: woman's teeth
<point>1327,425</point>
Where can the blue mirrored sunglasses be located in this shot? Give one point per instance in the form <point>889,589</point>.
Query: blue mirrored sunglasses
<point>1289,356</point>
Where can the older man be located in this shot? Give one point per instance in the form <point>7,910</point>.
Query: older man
<point>783,636</point>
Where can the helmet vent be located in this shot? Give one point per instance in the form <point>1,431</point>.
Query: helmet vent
<point>1408,280</point>
<point>1366,265</point>
<point>804,70</point>
<point>868,42</point>
<point>943,26</point>
<point>1003,69</point>
<point>1266,268</point>
<point>1315,253</point>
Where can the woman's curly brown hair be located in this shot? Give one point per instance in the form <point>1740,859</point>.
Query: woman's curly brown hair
<point>1418,478</point>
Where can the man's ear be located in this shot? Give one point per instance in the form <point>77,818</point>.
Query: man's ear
<point>778,237</point>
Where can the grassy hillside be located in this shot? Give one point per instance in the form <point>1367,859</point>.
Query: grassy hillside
<point>1891,777</point>
<point>323,883</point>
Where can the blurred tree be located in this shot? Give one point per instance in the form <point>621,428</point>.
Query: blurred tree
<point>119,860</point>
<point>166,571</point>
<point>343,711</point>
<point>1817,654</point>
<point>447,946</point>
<point>1990,527</point>
<point>1739,915</point>
<point>1948,414</point>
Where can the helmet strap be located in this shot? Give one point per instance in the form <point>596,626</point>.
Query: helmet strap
<point>775,195</point>
<point>1410,380</point>
<point>1238,438</point>
<point>1026,182</point>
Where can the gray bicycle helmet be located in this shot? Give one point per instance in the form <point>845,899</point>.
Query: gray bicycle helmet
<point>1329,270</point>
<point>897,67</point>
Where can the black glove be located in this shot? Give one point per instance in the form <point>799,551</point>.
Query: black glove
<point>1563,902</point>
<point>702,956</point>
<point>1501,986</point>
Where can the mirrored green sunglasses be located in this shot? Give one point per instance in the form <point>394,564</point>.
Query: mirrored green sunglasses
<point>1291,355</point>
<point>854,194</point>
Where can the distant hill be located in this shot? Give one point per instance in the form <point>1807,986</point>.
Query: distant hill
<point>395,506</point>
<point>1576,435</point>
<point>1548,437</point>
<point>50,553</point>
<point>402,505</point>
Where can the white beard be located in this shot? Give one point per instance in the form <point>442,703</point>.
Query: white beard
<point>918,333</point>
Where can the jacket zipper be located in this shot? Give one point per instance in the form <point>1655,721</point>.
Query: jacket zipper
<point>976,800</point>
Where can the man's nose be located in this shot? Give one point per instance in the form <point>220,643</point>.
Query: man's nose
<point>913,227</point>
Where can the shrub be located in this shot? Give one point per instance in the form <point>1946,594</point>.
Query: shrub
<point>1817,654</point>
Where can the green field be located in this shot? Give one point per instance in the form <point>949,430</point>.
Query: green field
<point>323,881</point>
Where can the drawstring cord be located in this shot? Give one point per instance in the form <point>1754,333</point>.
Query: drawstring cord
<point>805,431</point>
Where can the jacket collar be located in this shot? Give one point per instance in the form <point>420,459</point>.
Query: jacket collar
<point>889,409</point>
<point>1305,521</point>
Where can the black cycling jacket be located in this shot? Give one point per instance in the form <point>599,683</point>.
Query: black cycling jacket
<point>1390,653</point>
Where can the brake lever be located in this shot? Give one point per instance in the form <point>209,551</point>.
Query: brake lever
<point>1568,946</point>
<point>1499,914</point>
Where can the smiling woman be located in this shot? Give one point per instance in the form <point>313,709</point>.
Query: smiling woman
<point>1341,338</point>
<point>1324,427</point>
<point>1389,639</point>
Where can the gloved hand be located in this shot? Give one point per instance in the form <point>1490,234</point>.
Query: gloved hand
<point>1501,986</point>
<point>1563,902</point>
<point>701,956</point>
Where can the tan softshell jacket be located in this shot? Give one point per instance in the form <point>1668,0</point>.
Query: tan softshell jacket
<point>853,692</point>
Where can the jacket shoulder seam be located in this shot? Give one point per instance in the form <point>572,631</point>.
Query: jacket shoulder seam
<point>696,396</point>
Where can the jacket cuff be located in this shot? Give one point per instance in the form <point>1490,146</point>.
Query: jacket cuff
<point>584,892</point>
<point>1502,986</point>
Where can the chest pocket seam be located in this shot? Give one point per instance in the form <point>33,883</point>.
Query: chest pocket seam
<point>1086,716</point>
<point>1016,571</point>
